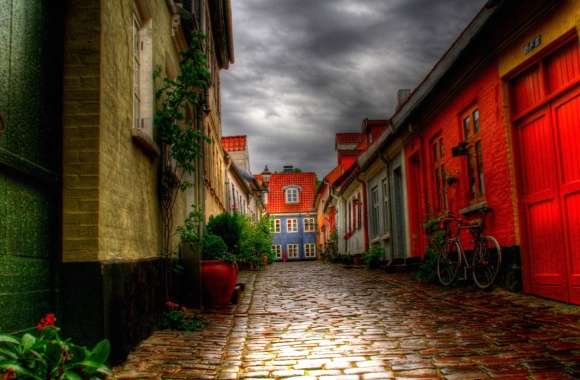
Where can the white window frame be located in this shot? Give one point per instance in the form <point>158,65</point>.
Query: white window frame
<point>295,254</point>
<point>292,222</point>
<point>375,211</point>
<point>385,206</point>
<point>313,229</point>
<point>143,91</point>
<point>277,248</point>
<point>292,195</point>
<point>277,226</point>
<point>309,250</point>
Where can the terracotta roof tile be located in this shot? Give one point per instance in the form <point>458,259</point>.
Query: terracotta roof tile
<point>234,143</point>
<point>279,181</point>
<point>348,138</point>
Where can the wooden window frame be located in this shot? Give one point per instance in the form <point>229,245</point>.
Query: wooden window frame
<point>294,245</point>
<point>471,133</point>
<point>438,173</point>
<point>309,253</point>
<point>313,229</point>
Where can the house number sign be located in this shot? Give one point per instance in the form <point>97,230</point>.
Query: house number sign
<point>533,44</point>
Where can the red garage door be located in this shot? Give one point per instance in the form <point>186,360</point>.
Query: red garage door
<point>546,109</point>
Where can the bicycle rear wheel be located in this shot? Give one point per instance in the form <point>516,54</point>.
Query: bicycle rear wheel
<point>486,262</point>
<point>449,262</point>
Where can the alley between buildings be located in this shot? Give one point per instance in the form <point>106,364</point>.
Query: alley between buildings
<point>310,320</point>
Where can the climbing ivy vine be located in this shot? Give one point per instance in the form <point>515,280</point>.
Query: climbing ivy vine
<point>178,101</point>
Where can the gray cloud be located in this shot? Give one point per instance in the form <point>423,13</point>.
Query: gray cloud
<point>306,69</point>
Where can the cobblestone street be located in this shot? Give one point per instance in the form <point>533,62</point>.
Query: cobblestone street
<point>310,320</point>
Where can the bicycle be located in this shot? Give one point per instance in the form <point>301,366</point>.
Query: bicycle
<point>486,256</point>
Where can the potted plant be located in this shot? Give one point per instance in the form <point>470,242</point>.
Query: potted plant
<point>219,271</point>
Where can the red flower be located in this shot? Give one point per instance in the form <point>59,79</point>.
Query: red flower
<point>172,305</point>
<point>9,375</point>
<point>49,320</point>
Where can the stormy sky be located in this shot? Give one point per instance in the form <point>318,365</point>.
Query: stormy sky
<point>306,69</point>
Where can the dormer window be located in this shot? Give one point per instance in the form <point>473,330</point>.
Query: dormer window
<point>292,195</point>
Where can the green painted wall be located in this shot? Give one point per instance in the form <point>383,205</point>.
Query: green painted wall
<point>29,156</point>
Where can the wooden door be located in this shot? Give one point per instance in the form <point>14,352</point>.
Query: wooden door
<point>546,109</point>
<point>29,157</point>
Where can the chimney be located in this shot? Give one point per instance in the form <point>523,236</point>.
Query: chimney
<point>288,169</point>
<point>402,96</point>
<point>266,174</point>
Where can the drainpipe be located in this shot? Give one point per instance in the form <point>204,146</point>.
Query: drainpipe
<point>365,212</point>
<point>227,190</point>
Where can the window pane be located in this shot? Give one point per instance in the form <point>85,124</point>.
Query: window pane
<point>466,123</point>
<point>479,158</point>
<point>386,224</point>
<point>476,121</point>
<point>435,149</point>
<point>471,173</point>
<point>441,149</point>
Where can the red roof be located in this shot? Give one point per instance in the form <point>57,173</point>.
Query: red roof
<point>348,138</point>
<point>234,143</point>
<point>276,197</point>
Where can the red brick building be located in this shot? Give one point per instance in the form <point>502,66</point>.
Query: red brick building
<point>495,126</point>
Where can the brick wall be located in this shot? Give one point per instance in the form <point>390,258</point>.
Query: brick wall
<point>483,91</point>
<point>81,137</point>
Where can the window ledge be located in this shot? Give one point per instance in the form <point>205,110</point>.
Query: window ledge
<point>145,142</point>
<point>476,207</point>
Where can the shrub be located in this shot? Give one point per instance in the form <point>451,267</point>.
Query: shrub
<point>255,241</point>
<point>374,256</point>
<point>427,271</point>
<point>229,227</point>
<point>214,248</point>
<point>42,354</point>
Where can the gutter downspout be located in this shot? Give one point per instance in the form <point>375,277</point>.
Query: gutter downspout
<point>228,195</point>
<point>365,212</point>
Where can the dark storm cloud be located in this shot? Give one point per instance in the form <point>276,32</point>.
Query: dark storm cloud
<point>306,69</point>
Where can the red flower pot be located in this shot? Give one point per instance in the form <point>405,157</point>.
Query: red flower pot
<point>218,281</point>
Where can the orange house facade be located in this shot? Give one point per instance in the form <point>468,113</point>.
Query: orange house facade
<point>495,134</point>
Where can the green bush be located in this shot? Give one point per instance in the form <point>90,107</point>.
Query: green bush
<point>374,256</point>
<point>42,354</point>
<point>255,242</point>
<point>427,271</point>
<point>214,248</point>
<point>229,227</point>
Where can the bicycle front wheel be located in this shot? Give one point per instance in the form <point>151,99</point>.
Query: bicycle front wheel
<point>486,262</point>
<point>449,262</point>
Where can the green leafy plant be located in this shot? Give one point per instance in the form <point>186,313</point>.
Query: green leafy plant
<point>374,256</point>
<point>175,318</point>
<point>41,353</point>
<point>214,248</point>
<point>179,131</point>
<point>255,243</point>
<point>229,227</point>
<point>427,271</point>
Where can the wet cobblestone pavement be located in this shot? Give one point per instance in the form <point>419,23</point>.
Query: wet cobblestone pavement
<point>321,321</point>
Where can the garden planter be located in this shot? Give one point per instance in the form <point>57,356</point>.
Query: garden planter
<point>218,281</point>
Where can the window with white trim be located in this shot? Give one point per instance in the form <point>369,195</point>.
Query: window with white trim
<point>309,225</point>
<point>309,250</point>
<point>375,212</point>
<point>292,225</point>
<point>292,251</point>
<point>275,225</point>
<point>143,92</point>
<point>292,195</point>
<point>277,249</point>
<point>386,214</point>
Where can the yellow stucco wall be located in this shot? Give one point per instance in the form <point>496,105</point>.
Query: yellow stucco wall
<point>562,19</point>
